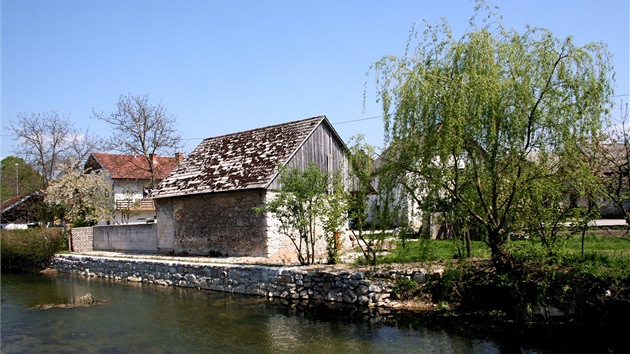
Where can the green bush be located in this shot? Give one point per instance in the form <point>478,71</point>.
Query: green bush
<point>593,287</point>
<point>405,288</point>
<point>31,248</point>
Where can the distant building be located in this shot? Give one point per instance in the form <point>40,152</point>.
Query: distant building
<point>129,179</point>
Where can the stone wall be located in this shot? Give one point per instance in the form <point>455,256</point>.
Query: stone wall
<point>224,224</point>
<point>373,288</point>
<point>82,239</point>
<point>134,238</point>
<point>219,223</point>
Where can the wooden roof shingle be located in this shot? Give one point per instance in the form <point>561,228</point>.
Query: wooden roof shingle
<point>245,160</point>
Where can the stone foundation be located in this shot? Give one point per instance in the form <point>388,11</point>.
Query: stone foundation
<point>298,283</point>
<point>213,223</point>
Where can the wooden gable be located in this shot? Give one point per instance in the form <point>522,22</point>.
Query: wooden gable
<point>324,148</point>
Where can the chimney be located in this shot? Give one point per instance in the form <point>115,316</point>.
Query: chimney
<point>153,160</point>
<point>179,156</point>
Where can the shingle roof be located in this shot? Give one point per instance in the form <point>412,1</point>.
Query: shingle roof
<point>17,200</point>
<point>131,167</point>
<point>245,160</point>
<point>10,203</point>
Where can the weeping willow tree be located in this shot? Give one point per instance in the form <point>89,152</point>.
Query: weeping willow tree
<point>491,119</point>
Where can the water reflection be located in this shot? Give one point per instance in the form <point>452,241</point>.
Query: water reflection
<point>138,318</point>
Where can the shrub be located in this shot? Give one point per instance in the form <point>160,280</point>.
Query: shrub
<point>453,286</point>
<point>594,287</point>
<point>32,248</point>
<point>405,288</point>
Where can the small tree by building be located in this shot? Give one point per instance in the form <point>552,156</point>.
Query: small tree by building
<point>305,202</point>
<point>375,200</point>
<point>334,217</point>
<point>127,205</point>
<point>361,158</point>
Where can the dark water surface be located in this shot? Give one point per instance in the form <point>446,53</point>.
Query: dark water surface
<point>142,318</point>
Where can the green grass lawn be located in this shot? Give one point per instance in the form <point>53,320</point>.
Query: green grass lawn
<point>610,244</point>
<point>441,250</point>
<point>421,250</point>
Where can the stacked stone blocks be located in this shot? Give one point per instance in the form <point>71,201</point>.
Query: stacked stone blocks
<point>296,283</point>
<point>82,239</point>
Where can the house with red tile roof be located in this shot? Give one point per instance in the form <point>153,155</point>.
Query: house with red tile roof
<point>130,181</point>
<point>206,205</point>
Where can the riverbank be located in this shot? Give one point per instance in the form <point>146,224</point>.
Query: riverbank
<point>363,286</point>
<point>588,290</point>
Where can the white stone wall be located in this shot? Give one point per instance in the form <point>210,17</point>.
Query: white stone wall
<point>213,223</point>
<point>226,223</point>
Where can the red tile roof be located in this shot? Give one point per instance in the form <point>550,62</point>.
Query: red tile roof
<point>131,167</point>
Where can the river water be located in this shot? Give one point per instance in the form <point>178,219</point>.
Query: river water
<point>143,318</point>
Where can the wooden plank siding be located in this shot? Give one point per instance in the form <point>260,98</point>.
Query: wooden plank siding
<point>323,148</point>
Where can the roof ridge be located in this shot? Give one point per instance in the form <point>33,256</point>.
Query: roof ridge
<point>320,118</point>
<point>16,200</point>
<point>122,166</point>
<point>127,155</point>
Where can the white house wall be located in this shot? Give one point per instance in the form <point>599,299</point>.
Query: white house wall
<point>123,190</point>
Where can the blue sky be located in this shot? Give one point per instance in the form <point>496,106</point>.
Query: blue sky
<point>226,66</point>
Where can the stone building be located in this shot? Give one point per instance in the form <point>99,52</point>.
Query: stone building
<point>129,179</point>
<point>205,206</point>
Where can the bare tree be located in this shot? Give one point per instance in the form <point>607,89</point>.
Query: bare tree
<point>80,146</point>
<point>47,140</point>
<point>141,129</point>
<point>614,156</point>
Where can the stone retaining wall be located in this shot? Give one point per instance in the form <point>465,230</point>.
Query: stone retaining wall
<point>355,287</point>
